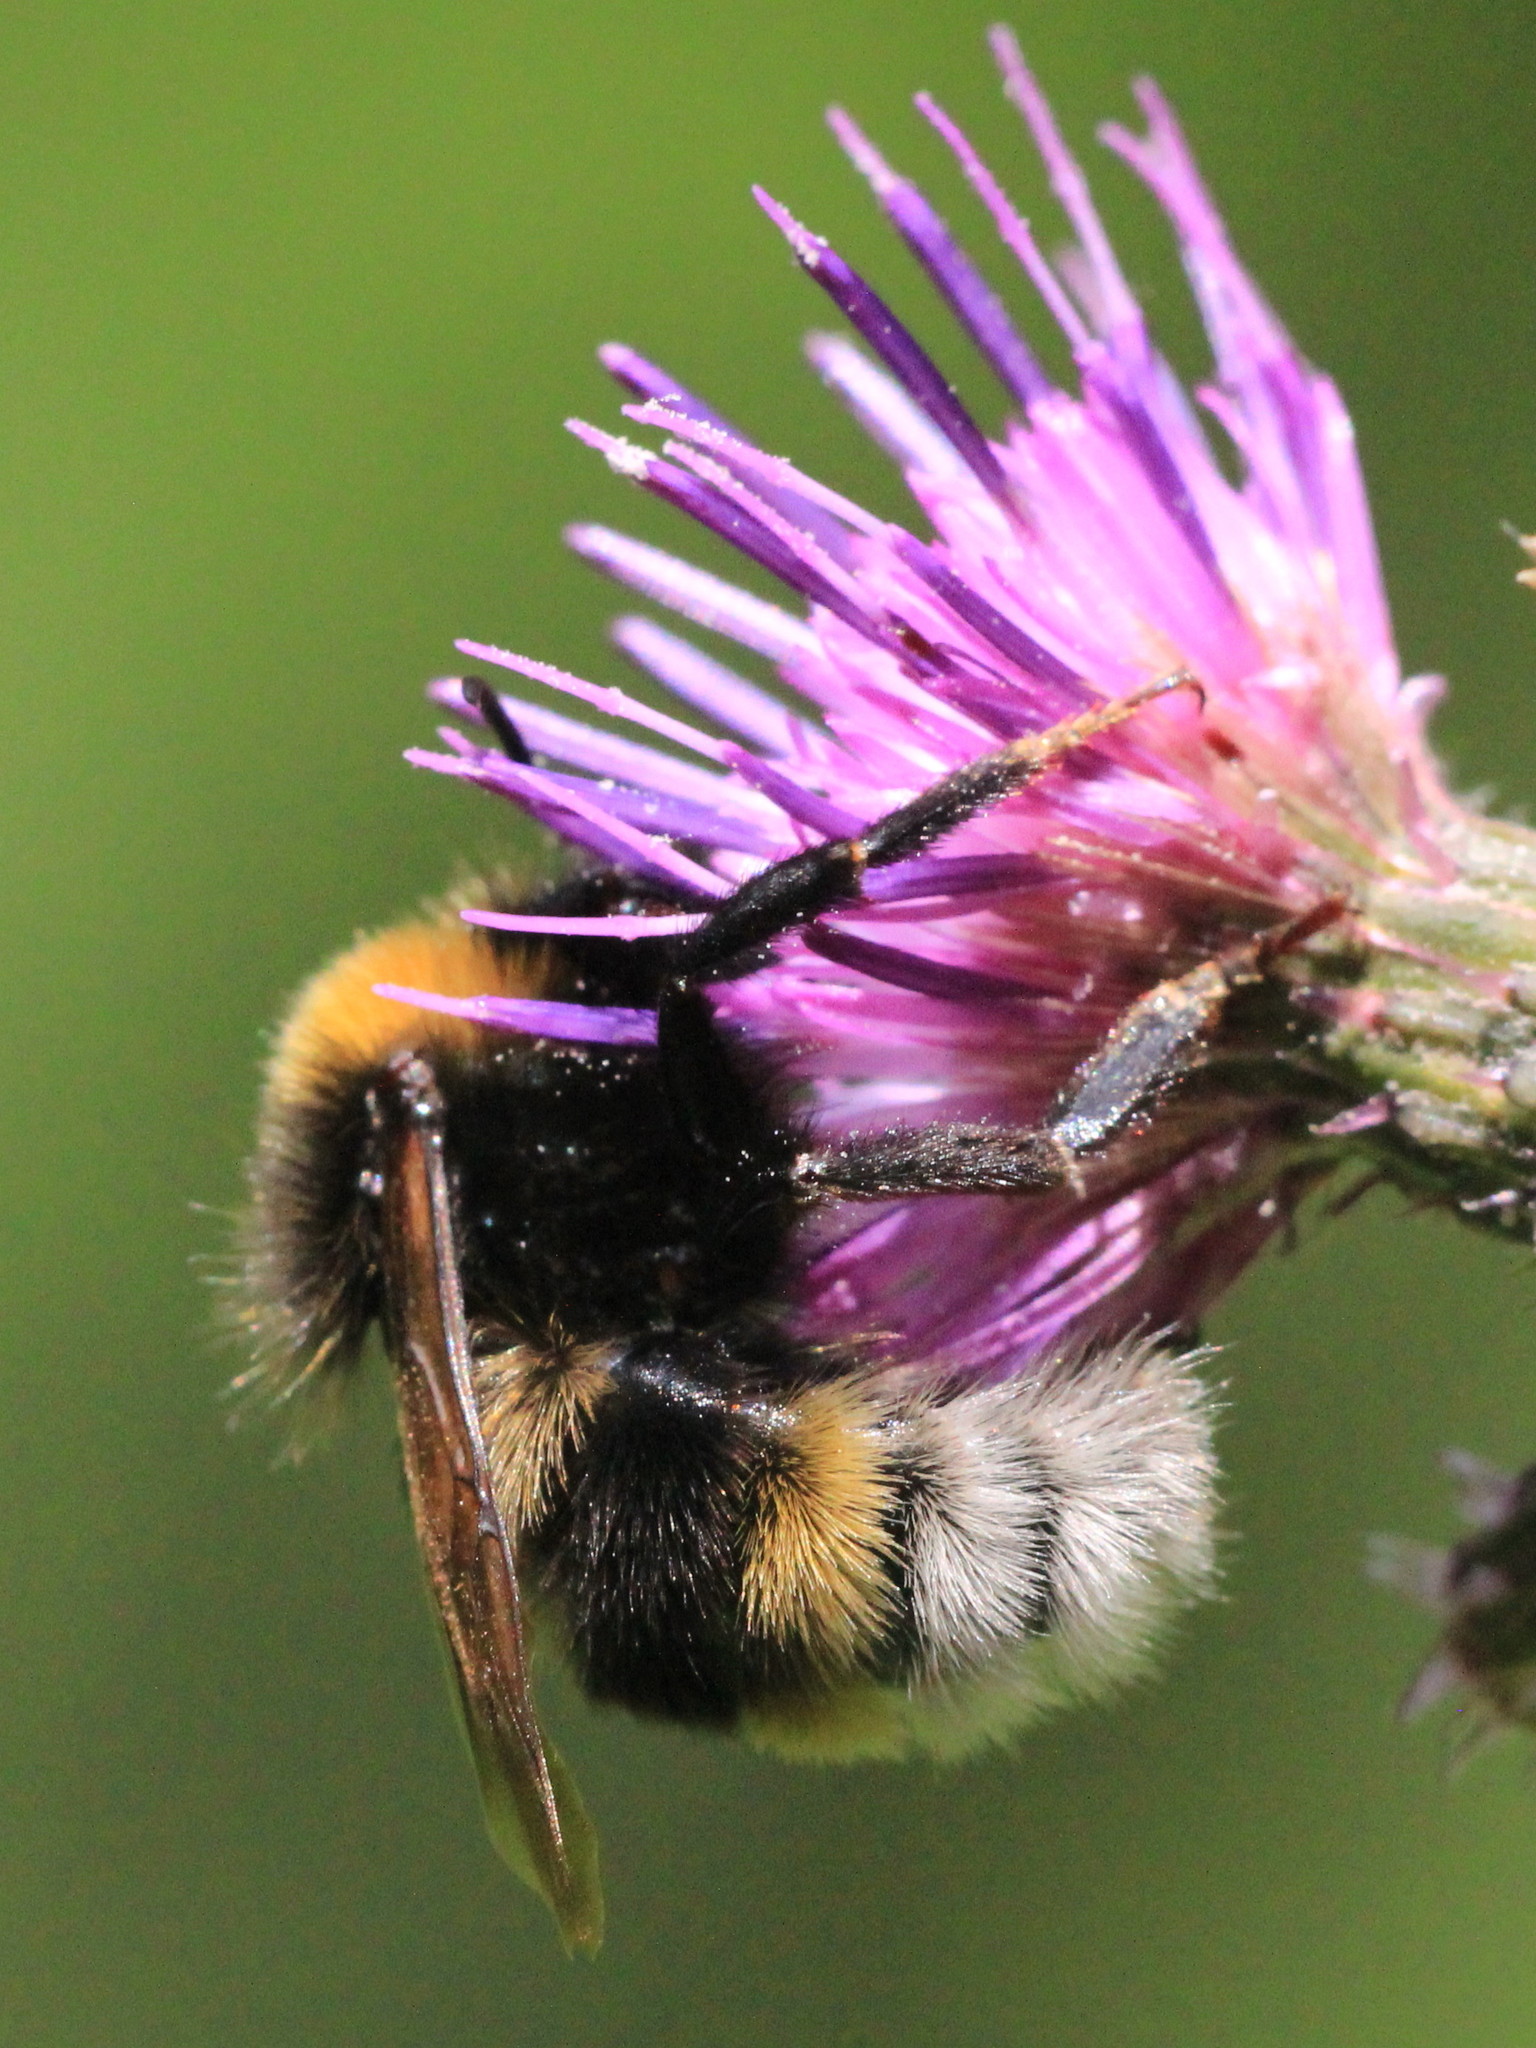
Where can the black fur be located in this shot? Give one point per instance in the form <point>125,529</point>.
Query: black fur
<point>643,1549</point>
<point>310,1245</point>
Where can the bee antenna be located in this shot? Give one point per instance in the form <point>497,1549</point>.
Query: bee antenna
<point>479,696</point>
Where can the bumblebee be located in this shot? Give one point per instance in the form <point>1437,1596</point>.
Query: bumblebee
<point>580,1255</point>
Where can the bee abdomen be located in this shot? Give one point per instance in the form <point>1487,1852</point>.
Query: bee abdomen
<point>1036,1505</point>
<point>1043,1531</point>
<point>835,1562</point>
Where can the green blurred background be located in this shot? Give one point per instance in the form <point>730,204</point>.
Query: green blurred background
<point>295,299</point>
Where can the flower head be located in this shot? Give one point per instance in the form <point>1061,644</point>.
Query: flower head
<point>1108,535</point>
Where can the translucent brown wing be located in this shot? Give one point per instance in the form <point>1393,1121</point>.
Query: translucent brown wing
<point>534,1812</point>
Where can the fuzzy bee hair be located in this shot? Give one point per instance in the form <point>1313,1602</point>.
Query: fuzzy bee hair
<point>717,1523</point>
<point>583,1251</point>
<point>918,1565</point>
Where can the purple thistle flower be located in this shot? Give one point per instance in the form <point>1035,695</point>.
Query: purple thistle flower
<point>1108,536</point>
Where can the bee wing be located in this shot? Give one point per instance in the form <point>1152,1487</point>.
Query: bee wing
<point>534,1812</point>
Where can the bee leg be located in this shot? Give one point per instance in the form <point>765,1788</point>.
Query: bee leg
<point>802,887</point>
<point>933,1159</point>
<point>1160,1036</point>
<point>1156,1041</point>
<point>711,1103</point>
<point>825,877</point>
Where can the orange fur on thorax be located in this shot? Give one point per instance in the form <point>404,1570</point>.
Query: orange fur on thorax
<point>337,1023</point>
